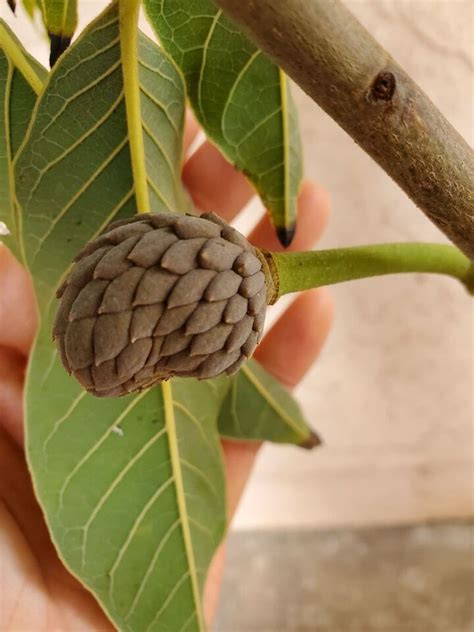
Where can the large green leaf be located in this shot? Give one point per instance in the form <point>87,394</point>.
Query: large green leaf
<point>258,407</point>
<point>240,97</point>
<point>133,491</point>
<point>132,488</point>
<point>75,173</point>
<point>21,79</point>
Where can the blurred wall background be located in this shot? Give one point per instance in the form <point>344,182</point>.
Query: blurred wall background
<point>392,391</point>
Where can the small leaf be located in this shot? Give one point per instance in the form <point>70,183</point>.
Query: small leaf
<point>30,7</point>
<point>21,78</point>
<point>60,21</point>
<point>241,99</point>
<point>257,407</point>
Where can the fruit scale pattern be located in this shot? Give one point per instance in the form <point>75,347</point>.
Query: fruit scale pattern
<point>157,296</point>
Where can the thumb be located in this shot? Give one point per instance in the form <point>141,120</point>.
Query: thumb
<point>18,318</point>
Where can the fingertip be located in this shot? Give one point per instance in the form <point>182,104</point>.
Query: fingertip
<point>314,208</point>
<point>214,184</point>
<point>319,300</point>
<point>313,215</point>
<point>191,130</point>
<point>313,196</point>
<point>297,338</point>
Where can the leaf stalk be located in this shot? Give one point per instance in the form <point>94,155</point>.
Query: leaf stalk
<point>129,12</point>
<point>297,271</point>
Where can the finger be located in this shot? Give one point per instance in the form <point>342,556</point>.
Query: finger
<point>12,370</point>
<point>213,585</point>
<point>239,456</point>
<point>296,339</point>
<point>191,130</point>
<point>313,213</point>
<point>17,305</point>
<point>214,184</point>
<point>239,459</point>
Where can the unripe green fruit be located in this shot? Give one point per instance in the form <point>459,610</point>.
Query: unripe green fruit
<point>157,296</point>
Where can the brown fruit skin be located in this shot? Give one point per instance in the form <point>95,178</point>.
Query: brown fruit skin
<point>158,296</point>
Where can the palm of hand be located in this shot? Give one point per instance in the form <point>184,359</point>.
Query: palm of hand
<point>38,592</point>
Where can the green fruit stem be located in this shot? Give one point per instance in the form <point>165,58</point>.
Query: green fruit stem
<point>296,271</point>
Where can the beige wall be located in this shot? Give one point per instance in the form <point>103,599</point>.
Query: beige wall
<point>391,393</point>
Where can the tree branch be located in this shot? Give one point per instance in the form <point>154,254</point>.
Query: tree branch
<point>322,46</point>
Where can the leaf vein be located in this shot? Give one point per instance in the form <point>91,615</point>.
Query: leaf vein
<point>250,375</point>
<point>168,600</point>
<point>114,485</point>
<point>205,47</point>
<point>132,532</point>
<point>151,567</point>
<point>97,125</point>
<point>123,415</point>
<point>80,192</point>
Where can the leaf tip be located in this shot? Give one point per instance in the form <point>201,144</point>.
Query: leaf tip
<point>313,441</point>
<point>285,234</point>
<point>59,43</point>
<point>12,5</point>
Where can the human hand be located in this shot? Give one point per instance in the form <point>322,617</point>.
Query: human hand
<point>37,592</point>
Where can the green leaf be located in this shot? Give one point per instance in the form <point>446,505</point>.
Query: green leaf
<point>257,407</point>
<point>60,21</point>
<point>60,16</point>
<point>30,7</point>
<point>133,488</point>
<point>21,79</point>
<point>74,174</point>
<point>133,491</point>
<point>240,97</point>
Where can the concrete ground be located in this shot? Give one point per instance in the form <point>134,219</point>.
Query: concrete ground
<point>418,579</point>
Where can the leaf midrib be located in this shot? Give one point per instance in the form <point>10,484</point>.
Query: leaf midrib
<point>128,12</point>
<point>271,401</point>
<point>129,48</point>
<point>170,424</point>
<point>286,145</point>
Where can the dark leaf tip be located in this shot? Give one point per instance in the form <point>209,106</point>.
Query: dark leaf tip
<point>313,441</point>
<point>12,5</point>
<point>285,234</point>
<point>59,43</point>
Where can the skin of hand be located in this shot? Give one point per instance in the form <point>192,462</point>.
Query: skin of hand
<point>37,593</point>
